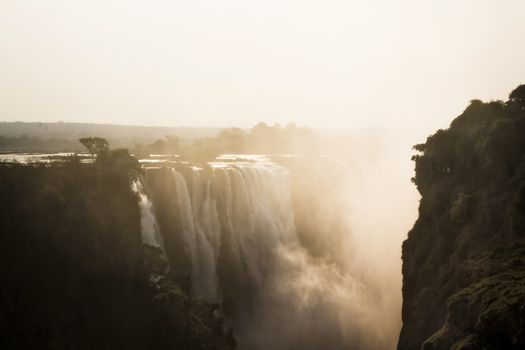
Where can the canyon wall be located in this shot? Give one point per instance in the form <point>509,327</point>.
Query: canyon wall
<point>464,259</point>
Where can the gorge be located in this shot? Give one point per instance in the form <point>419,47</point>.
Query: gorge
<point>272,254</point>
<point>272,251</point>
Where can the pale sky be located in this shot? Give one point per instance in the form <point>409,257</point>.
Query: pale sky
<point>331,64</point>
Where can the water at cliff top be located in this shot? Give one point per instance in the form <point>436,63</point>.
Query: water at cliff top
<point>270,239</point>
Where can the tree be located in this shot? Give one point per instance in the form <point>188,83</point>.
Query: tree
<point>158,147</point>
<point>517,97</point>
<point>232,140</point>
<point>96,146</point>
<point>121,159</point>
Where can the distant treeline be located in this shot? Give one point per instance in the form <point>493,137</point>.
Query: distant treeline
<point>74,131</point>
<point>35,144</point>
<point>261,139</point>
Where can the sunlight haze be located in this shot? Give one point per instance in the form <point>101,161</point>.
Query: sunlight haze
<point>254,175</point>
<point>327,64</point>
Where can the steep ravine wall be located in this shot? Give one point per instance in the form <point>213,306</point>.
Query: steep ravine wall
<point>464,259</point>
<point>75,273</point>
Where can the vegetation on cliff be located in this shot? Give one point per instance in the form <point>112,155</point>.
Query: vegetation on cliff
<point>75,273</point>
<point>464,260</point>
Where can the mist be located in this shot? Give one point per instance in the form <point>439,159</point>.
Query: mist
<point>238,174</point>
<point>342,64</point>
<point>337,205</point>
<point>303,249</point>
<point>339,287</point>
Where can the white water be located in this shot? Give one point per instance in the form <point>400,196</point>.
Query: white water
<point>149,227</point>
<point>255,218</point>
<point>200,232</point>
<point>236,222</point>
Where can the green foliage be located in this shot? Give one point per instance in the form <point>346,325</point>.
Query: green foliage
<point>460,208</point>
<point>517,210</point>
<point>97,146</point>
<point>119,159</point>
<point>261,139</point>
<point>486,136</point>
<point>170,144</point>
<point>35,144</point>
<point>517,97</point>
<point>232,140</point>
<point>189,142</point>
<point>463,280</point>
<point>124,162</point>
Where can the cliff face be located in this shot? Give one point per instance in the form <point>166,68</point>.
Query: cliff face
<point>75,274</point>
<point>464,259</point>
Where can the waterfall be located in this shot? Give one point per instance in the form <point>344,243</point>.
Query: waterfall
<point>277,255</point>
<point>258,215</point>
<point>237,213</point>
<point>149,227</point>
<point>199,232</point>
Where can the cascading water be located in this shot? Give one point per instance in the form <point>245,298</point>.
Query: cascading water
<point>149,227</point>
<point>240,213</point>
<point>199,231</point>
<point>271,252</point>
<point>256,218</point>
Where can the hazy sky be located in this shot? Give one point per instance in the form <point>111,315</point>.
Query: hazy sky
<point>236,62</point>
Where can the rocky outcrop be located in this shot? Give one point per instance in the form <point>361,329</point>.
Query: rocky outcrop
<point>75,274</point>
<point>464,259</point>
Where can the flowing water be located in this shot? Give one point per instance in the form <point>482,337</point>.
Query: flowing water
<point>274,245</point>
